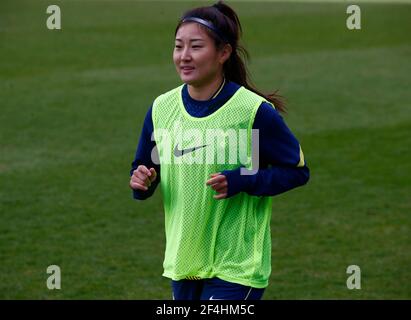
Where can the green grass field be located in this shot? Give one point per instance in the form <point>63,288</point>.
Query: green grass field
<point>72,106</point>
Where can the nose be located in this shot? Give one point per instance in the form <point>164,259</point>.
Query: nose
<point>186,54</point>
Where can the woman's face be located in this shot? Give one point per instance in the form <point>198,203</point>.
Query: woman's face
<point>195,55</point>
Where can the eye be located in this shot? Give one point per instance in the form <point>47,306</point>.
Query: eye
<point>177,46</point>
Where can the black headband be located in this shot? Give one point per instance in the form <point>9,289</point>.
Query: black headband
<point>207,24</point>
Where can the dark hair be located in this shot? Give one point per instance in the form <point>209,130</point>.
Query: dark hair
<point>226,20</point>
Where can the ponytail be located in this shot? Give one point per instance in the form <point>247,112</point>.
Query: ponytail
<point>235,69</point>
<point>225,19</point>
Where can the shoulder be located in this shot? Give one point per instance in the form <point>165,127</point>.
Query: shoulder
<point>267,109</point>
<point>165,97</point>
<point>260,100</point>
<point>268,117</point>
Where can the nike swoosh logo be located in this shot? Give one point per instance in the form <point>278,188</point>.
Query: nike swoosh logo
<point>179,153</point>
<point>211,298</point>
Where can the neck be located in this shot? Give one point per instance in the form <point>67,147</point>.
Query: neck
<point>205,92</point>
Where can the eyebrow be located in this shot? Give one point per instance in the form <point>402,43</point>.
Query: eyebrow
<point>191,40</point>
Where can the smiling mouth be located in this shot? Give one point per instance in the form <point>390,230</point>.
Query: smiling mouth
<point>187,70</point>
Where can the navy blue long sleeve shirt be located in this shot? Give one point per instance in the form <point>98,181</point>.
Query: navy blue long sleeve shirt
<point>281,162</point>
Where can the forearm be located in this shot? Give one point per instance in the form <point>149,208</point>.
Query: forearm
<point>266,182</point>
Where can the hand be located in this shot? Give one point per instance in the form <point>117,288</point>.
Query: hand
<point>142,178</point>
<point>218,182</point>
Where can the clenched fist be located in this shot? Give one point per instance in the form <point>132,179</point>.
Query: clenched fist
<point>142,178</point>
<point>218,182</point>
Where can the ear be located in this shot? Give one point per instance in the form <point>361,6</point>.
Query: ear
<point>225,53</point>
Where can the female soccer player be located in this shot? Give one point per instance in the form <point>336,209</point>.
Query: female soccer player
<point>217,213</point>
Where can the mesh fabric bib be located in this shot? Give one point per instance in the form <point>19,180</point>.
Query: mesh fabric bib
<point>205,238</point>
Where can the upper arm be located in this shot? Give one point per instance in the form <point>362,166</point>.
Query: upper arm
<point>146,145</point>
<point>277,144</point>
